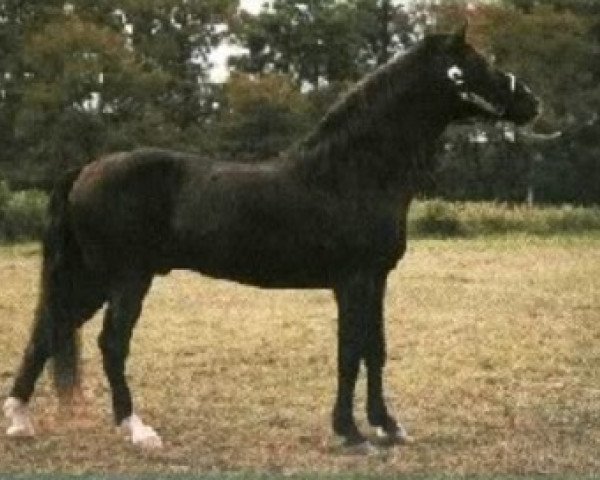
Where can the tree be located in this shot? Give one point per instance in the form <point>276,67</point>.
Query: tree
<point>385,28</point>
<point>80,78</point>
<point>556,50</point>
<point>76,79</point>
<point>261,116</point>
<point>318,42</point>
<point>176,36</point>
<point>320,46</point>
<point>16,20</point>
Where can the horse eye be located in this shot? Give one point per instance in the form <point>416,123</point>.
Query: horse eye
<point>455,74</point>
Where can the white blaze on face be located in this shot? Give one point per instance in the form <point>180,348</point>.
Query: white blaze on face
<point>455,74</point>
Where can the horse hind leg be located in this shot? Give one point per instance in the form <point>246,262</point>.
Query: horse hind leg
<point>54,335</point>
<point>125,305</point>
<point>387,429</point>
<point>16,408</point>
<point>349,296</point>
<point>88,297</point>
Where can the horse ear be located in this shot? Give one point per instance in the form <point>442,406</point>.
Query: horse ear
<point>450,41</point>
<point>458,38</point>
<point>460,35</point>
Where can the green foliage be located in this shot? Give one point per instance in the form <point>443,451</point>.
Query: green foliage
<point>175,36</point>
<point>262,115</point>
<point>321,41</point>
<point>70,59</point>
<point>23,218</point>
<point>469,219</point>
<point>87,77</point>
<point>492,170</point>
<point>83,78</point>
<point>556,50</point>
<point>83,82</point>
<point>4,194</point>
<point>554,47</point>
<point>22,214</point>
<point>436,218</point>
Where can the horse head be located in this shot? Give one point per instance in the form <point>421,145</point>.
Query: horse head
<point>474,87</point>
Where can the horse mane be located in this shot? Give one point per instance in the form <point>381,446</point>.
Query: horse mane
<point>357,110</point>
<point>332,154</point>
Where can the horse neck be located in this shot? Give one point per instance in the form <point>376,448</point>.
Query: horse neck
<point>383,153</point>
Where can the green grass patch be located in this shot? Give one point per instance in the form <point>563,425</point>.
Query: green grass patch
<point>23,217</point>
<point>437,218</point>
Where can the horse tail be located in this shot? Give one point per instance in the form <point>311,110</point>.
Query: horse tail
<point>60,304</point>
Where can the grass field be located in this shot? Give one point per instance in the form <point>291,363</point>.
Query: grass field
<point>494,368</point>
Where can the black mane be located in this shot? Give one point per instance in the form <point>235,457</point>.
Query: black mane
<point>392,103</point>
<point>362,105</point>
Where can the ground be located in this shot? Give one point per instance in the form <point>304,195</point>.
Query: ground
<point>493,367</point>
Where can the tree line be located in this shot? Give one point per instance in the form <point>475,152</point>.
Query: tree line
<point>84,77</point>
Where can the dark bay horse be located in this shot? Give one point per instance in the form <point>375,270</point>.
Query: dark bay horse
<point>330,212</point>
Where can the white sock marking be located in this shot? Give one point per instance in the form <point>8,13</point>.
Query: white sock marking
<point>143,435</point>
<point>20,419</point>
<point>400,436</point>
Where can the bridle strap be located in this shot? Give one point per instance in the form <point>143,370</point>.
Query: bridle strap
<point>482,103</point>
<point>513,82</point>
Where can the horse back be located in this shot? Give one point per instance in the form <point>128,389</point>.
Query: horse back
<point>256,224</point>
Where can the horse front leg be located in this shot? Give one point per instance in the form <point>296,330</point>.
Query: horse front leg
<point>354,296</point>
<point>387,428</point>
<point>349,355</point>
<point>361,336</point>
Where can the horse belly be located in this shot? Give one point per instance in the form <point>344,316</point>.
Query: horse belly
<point>281,267</point>
<point>289,259</point>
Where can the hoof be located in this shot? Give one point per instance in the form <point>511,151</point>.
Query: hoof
<point>20,431</point>
<point>18,414</point>
<point>141,435</point>
<point>148,440</point>
<point>398,437</point>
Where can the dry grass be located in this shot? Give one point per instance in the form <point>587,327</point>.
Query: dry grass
<point>494,367</point>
